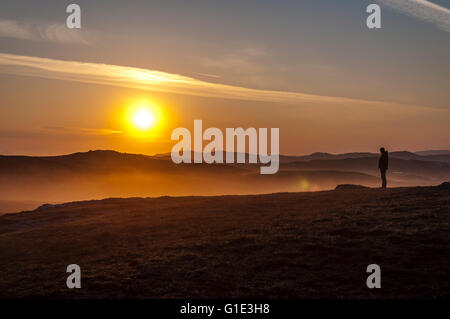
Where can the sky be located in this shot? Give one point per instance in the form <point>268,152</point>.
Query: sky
<point>311,68</point>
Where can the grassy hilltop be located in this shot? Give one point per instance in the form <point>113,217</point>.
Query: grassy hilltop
<point>284,245</point>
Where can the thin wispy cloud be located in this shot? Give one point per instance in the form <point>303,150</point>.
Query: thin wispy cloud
<point>43,32</point>
<point>150,80</point>
<point>423,10</point>
<point>81,130</point>
<point>244,61</point>
<point>50,131</point>
<point>209,75</point>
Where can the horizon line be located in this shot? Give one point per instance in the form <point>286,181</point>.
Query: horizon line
<point>168,153</point>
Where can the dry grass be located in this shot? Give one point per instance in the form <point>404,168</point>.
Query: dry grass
<point>287,245</point>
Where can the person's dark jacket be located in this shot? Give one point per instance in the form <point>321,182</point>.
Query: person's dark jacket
<point>383,162</point>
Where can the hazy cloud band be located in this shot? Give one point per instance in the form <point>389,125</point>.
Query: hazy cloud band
<point>43,32</point>
<point>148,80</point>
<point>423,10</point>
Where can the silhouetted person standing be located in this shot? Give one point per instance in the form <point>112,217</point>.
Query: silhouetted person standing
<point>383,164</point>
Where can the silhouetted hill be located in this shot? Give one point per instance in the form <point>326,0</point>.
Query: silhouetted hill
<point>399,169</point>
<point>100,174</point>
<point>434,152</point>
<point>324,156</point>
<point>285,245</point>
<point>349,186</point>
<point>437,156</point>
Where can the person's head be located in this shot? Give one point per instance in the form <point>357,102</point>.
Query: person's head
<point>382,150</point>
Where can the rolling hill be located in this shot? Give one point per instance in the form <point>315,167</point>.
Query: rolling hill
<point>101,174</point>
<point>284,245</point>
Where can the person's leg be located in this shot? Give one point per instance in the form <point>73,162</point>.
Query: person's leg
<point>383,178</point>
<point>381,175</point>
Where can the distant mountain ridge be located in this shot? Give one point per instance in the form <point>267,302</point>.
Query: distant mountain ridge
<point>433,152</point>
<point>438,156</point>
<point>105,173</point>
<point>443,156</point>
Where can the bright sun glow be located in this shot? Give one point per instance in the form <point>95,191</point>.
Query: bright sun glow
<point>143,119</point>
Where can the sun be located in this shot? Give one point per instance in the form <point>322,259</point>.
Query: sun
<point>143,119</point>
